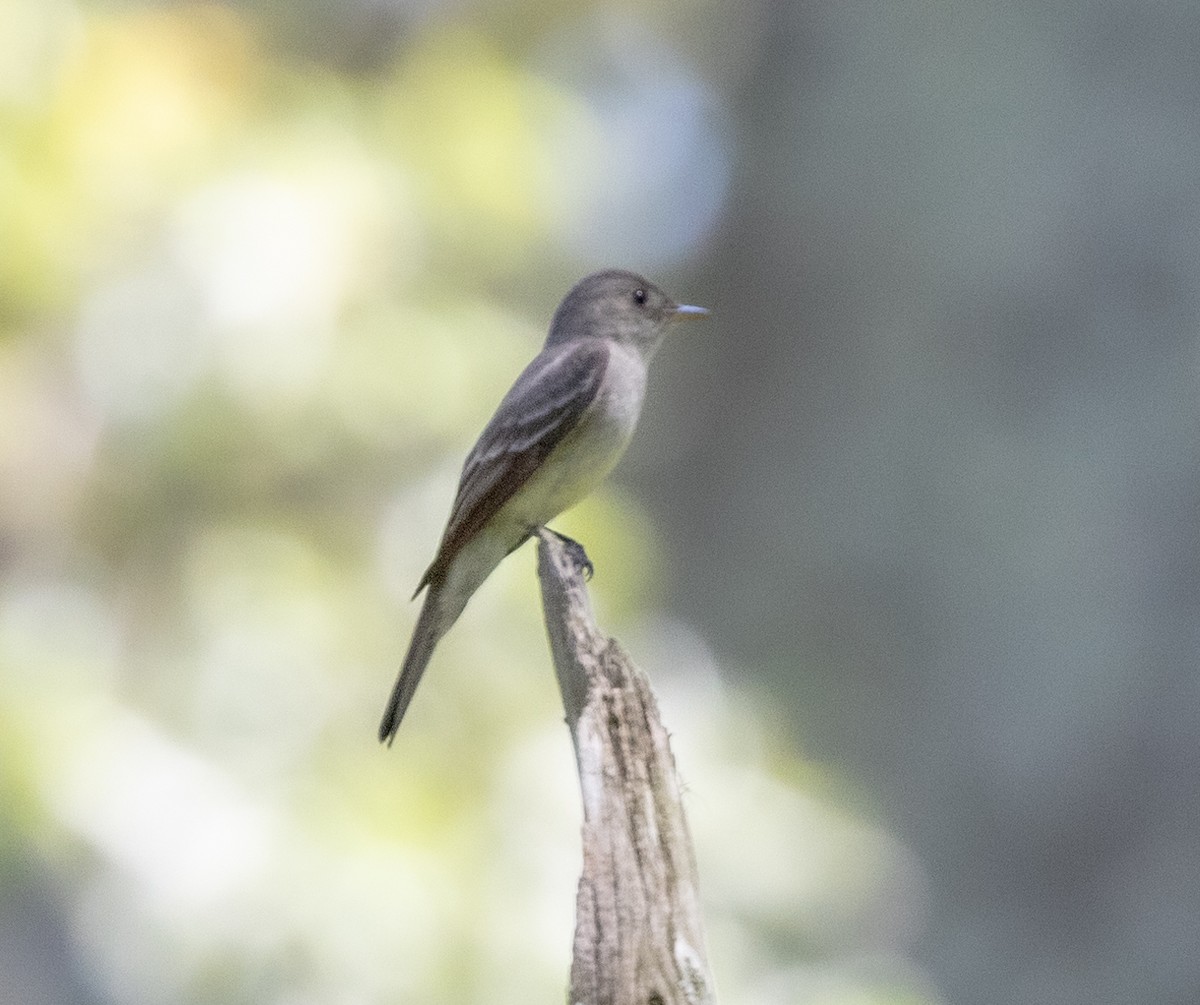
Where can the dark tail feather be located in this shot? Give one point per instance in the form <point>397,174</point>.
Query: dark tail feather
<point>425,637</point>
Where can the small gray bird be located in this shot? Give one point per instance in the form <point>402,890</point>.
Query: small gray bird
<point>559,430</point>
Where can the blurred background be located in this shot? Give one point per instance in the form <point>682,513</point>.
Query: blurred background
<point>908,539</point>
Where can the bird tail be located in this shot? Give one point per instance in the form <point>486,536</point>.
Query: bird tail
<point>425,637</point>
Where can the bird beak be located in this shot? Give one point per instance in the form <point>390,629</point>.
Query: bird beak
<point>687,310</point>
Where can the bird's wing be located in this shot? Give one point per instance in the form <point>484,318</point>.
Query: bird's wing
<point>544,404</point>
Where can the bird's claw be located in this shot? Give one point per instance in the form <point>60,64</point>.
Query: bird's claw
<point>577,554</point>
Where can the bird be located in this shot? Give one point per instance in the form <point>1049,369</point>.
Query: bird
<point>555,435</point>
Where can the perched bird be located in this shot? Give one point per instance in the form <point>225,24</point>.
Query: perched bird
<point>560,429</point>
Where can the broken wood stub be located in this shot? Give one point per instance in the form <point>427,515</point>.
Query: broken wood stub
<point>639,938</point>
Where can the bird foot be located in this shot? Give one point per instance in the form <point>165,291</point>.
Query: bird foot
<point>577,554</point>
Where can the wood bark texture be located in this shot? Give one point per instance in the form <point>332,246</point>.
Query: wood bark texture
<point>639,939</point>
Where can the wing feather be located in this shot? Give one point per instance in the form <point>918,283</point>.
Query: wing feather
<point>544,405</point>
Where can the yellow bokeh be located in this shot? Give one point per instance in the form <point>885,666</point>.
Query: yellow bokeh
<point>471,123</point>
<point>131,106</point>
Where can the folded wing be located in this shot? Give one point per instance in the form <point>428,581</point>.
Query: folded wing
<point>544,405</point>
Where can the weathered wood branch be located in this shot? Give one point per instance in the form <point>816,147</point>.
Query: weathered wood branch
<point>639,939</point>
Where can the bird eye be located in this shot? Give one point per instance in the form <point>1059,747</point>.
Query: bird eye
<point>639,295</point>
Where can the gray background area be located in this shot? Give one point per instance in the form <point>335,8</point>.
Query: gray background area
<point>939,476</point>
